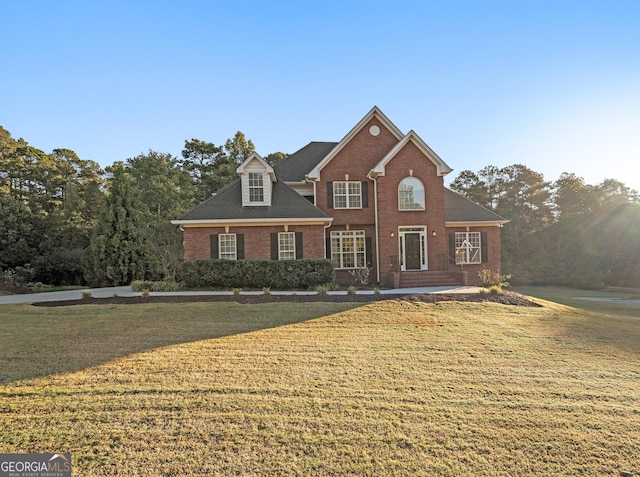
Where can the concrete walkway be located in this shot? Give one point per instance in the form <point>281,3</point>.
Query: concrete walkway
<point>127,292</point>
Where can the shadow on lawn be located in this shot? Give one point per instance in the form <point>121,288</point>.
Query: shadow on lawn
<point>38,342</point>
<point>55,337</point>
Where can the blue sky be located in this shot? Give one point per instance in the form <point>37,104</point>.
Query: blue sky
<point>554,85</point>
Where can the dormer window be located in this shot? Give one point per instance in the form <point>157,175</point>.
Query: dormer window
<point>257,181</point>
<point>256,187</point>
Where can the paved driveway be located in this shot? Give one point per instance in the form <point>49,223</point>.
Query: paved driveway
<point>126,291</point>
<point>66,295</point>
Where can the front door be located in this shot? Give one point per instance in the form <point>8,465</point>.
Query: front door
<point>412,251</point>
<point>413,248</point>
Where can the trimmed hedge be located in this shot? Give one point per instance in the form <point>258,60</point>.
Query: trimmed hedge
<point>276,274</point>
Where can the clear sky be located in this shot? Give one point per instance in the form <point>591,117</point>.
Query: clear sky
<point>554,85</point>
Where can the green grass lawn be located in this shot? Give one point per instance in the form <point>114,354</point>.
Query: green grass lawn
<point>387,388</point>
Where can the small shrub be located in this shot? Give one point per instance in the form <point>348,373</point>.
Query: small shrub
<point>376,291</point>
<point>86,294</point>
<point>267,291</point>
<point>236,291</point>
<point>360,276</point>
<point>19,276</point>
<point>351,290</point>
<point>161,286</point>
<point>145,293</point>
<point>141,285</point>
<point>495,290</point>
<point>490,278</point>
<point>38,287</point>
<point>322,290</point>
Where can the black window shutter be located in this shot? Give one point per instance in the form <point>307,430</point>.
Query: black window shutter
<point>452,245</point>
<point>299,245</point>
<point>214,246</point>
<point>368,251</point>
<point>240,246</point>
<point>328,248</point>
<point>484,247</point>
<point>365,194</point>
<point>274,246</point>
<point>329,195</point>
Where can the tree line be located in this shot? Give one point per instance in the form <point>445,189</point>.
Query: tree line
<point>66,221</point>
<point>565,232</point>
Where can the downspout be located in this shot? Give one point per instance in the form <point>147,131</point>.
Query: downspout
<point>324,241</point>
<point>375,208</point>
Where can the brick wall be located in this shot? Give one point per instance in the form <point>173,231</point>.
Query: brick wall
<point>257,240</point>
<point>494,259</point>
<point>409,162</point>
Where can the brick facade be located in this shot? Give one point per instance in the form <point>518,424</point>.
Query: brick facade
<point>378,156</point>
<point>257,240</point>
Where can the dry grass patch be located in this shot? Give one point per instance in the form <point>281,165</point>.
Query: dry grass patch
<point>390,388</point>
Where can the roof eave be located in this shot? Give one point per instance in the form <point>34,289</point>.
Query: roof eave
<point>475,223</point>
<point>253,222</point>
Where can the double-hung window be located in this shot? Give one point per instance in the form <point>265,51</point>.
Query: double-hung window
<point>348,249</point>
<point>256,187</point>
<point>468,247</point>
<point>227,247</point>
<point>286,246</point>
<point>347,195</point>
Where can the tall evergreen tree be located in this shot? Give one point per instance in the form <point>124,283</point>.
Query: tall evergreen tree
<point>119,252</point>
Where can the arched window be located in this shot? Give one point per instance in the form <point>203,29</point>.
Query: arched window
<point>411,194</point>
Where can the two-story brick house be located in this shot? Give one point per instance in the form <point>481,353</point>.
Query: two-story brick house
<point>376,200</point>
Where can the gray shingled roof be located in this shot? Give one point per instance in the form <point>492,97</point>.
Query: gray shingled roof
<point>227,204</point>
<point>460,209</point>
<point>295,167</point>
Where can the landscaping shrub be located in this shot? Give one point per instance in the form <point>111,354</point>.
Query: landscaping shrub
<point>491,278</point>
<point>276,274</point>
<point>162,286</point>
<point>360,276</point>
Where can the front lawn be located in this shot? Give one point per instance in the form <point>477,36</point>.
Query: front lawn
<point>387,388</point>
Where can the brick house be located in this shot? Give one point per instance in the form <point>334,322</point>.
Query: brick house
<point>376,200</point>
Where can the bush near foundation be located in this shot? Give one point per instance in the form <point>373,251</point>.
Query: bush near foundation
<point>274,274</point>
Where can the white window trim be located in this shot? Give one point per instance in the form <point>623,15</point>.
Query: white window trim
<point>255,187</point>
<point>348,197</point>
<point>423,195</point>
<point>469,249</point>
<point>402,231</point>
<point>232,255</point>
<point>338,254</point>
<point>281,241</point>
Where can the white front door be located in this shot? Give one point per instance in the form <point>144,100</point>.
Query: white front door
<point>413,248</point>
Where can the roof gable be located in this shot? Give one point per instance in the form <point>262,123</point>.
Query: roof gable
<point>314,174</point>
<point>442,167</point>
<point>255,162</point>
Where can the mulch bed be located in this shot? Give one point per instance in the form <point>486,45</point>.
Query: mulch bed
<point>506,298</point>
